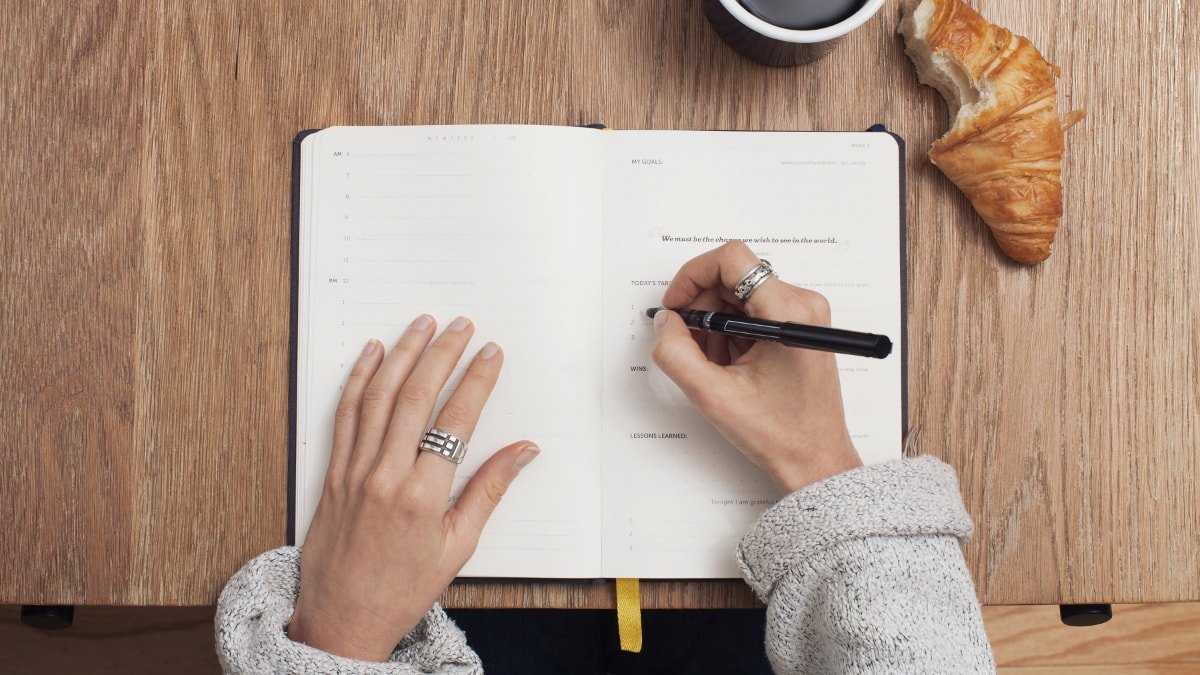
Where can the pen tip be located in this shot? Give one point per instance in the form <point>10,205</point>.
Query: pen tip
<point>652,311</point>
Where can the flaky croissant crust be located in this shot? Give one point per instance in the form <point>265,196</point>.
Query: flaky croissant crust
<point>1005,155</point>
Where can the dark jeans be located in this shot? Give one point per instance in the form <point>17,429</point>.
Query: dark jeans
<point>535,641</point>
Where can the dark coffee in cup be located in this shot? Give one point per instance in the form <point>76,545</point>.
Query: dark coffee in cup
<point>803,14</point>
<point>787,32</point>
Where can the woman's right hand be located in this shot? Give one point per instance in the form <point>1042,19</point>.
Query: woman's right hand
<point>781,406</point>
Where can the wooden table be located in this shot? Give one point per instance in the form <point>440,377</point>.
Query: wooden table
<point>144,255</point>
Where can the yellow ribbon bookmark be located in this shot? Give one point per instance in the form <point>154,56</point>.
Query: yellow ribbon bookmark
<point>629,615</point>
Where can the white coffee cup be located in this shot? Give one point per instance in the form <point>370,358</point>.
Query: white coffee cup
<point>773,45</point>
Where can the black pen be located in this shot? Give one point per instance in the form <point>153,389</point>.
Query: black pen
<point>791,334</point>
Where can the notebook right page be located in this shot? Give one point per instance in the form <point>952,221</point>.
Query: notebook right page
<point>824,208</point>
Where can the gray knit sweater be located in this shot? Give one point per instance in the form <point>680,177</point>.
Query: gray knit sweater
<point>861,573</point>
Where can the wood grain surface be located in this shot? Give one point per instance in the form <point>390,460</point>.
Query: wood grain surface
<point>1163,635</point>
<point>144,254</point>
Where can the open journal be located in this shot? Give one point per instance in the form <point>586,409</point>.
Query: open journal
<point>554,240</point>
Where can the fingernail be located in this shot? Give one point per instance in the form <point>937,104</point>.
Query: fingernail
<point>526,456</point>
<point>370,347</point>
<point>660,319</point>
<point>422,322</point>
<point>489,350</point>
<point>459,324</point>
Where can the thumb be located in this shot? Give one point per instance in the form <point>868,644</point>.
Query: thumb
<point>681,358</point>
<point>485,490</point>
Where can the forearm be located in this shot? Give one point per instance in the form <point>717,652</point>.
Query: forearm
<point>257,604</point>
<point>863,572</point>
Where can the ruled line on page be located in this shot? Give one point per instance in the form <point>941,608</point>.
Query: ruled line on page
<point>413,154</point>
<point>407,260</point>
<point>370,174</point>
<point>404,237</point>
<point>413,196</point>
<point>412,218</point>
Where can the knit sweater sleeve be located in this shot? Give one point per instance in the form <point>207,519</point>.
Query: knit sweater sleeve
<point>862,573</point>
<point>256,606</point>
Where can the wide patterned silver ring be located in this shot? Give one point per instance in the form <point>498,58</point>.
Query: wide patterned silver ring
<point>753,279</point>
<point>444,444</point>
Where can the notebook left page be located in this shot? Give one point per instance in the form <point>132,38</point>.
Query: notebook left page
<point>497,223</point>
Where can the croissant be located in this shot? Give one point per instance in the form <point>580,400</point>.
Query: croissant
<point>1004,149</point>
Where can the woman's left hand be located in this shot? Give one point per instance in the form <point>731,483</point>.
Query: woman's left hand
<point>383,545</point>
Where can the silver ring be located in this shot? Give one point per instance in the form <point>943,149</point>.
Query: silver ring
<point>444,444</point>
<point>753,279</point>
